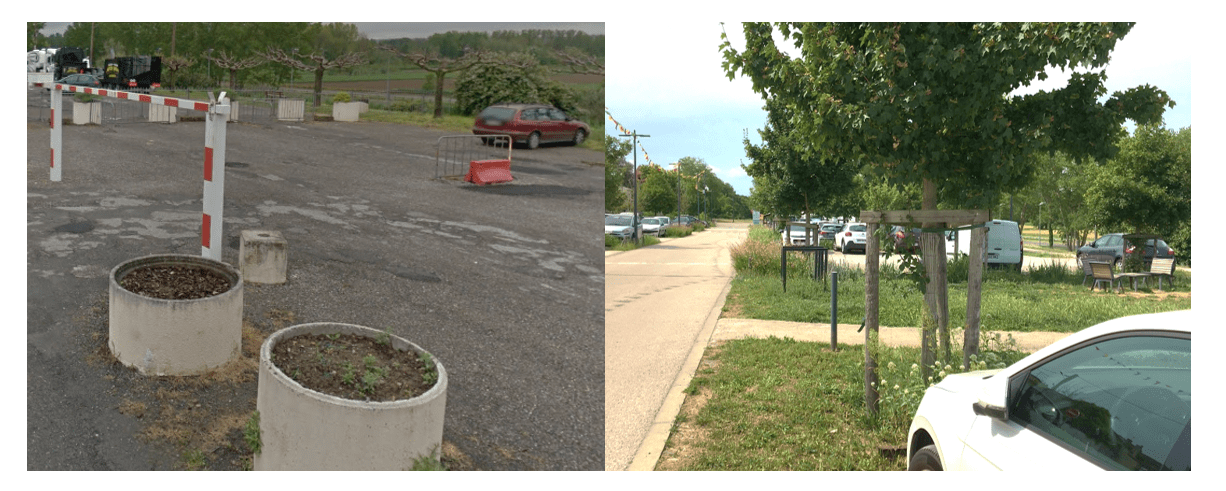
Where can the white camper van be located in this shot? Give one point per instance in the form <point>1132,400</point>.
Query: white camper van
<point>1003,248</point>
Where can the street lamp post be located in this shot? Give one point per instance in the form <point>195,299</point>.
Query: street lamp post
<point>634,220</point>
<point>1041,203</point>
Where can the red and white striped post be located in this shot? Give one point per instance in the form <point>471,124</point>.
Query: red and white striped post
<point>217,112</point>
<point>214,176</point>
<point>57,134</point>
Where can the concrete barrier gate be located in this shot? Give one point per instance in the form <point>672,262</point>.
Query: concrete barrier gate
<point>217,112</point>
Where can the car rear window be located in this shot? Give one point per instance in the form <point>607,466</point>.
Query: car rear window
<point>858,228</point>
<point>497,114</point>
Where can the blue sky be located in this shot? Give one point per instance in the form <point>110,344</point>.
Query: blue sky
<point>666,81</point>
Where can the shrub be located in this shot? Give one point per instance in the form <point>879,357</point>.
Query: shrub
<point>611,241</point>
<point>340,97</point>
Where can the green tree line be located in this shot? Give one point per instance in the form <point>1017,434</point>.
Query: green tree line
<point>702,192</point>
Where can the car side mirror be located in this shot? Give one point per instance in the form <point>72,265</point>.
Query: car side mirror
<point>992,400</point>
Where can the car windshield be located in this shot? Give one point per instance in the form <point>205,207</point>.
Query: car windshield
<point>651,221</point>
<point>797,229</point>
<point>618,220</point>
<point>497,114</point>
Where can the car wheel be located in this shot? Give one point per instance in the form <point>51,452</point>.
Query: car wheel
<point>1119,265</point>
<point>580,135</point>
<point>1081,265</point>
<point>926,459</point>
<point>534,140</point>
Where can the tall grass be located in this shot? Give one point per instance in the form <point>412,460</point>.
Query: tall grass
<point>1049,297</point>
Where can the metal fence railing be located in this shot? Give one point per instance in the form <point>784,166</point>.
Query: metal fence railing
<point>454,153</point>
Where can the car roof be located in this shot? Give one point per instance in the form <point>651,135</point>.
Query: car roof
<point>1179,321</point>
<point>520,105</point>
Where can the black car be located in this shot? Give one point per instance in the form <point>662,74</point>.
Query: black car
<point>1112,248</point>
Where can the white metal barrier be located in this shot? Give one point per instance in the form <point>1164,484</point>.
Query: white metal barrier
<point>216,111</point>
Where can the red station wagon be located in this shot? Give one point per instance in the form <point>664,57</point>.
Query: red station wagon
<point>532,124</point>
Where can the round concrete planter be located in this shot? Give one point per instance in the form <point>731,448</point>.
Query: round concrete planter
<point>175,337</point>
<point>303,429</point>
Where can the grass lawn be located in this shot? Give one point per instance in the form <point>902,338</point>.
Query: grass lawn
<point>612,243</point>
<point>780,404</point>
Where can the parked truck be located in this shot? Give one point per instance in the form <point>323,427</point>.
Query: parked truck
<point>132,72</point>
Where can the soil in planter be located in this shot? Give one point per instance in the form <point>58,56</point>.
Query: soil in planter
<point>178,282</point>
<point>353,367</point>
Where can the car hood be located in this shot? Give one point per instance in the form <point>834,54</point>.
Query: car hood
<point>615,228</point>
<point>966,383</point>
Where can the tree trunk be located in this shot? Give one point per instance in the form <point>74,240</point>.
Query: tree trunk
<point>438,98</point>
<point>319,85</point>
<point>932,250</point>
<point>974,291</point>
<point>233,78</point>
<point>871,311</point>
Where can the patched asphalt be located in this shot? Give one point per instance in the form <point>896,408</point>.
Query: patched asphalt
<point>504,284</point>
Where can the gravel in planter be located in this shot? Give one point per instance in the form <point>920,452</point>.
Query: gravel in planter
<point>175,282</point>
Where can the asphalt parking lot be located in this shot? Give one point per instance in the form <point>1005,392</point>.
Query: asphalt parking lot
<point>504,284</point>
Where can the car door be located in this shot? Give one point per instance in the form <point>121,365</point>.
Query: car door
<point>1120,402</point>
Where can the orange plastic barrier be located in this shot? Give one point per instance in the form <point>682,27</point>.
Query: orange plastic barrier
<point>482,172</point>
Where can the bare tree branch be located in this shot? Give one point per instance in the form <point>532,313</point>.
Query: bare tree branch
<point>581,63</point>
<point>440,67</point>
<point>318,64</point>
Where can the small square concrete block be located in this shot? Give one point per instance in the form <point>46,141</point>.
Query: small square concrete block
<point>262,256</point>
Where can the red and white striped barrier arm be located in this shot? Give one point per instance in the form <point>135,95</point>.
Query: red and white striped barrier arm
<point>216,114</point>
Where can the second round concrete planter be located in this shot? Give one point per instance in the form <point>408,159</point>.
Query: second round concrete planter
<point>303,429</point>
<point>175,337</point>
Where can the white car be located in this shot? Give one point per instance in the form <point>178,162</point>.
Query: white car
<point>622,227</point>
<point>1116,396</point>
<point>853,236</point>
<point>652,226</point>
<point>798,235</point>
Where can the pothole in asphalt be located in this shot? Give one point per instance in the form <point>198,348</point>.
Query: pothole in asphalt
<point>76,227</point>
<point>237,165</point>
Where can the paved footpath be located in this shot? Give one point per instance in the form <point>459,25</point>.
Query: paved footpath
<point>661,305</point>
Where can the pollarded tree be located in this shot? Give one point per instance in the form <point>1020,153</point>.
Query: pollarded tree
<point>233,64</point>
<point>932,103</point>
<point>314,62</point>
<point>440,66</point>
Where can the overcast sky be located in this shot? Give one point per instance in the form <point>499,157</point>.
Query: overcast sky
<point>396,30</point>
<point>682,98</point>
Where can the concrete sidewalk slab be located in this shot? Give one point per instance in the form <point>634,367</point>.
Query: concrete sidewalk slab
<point>727,328</point>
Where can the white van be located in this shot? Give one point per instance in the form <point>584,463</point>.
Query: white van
<point>1003,248</point>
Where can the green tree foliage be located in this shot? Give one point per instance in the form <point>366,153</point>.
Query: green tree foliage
<point>1147,188</point>
<point>514,77</point>
<point>918,101</point>
<point>615,151</point>
<point>34,35</point>
<point>932,103</point>
<point>800,179</point>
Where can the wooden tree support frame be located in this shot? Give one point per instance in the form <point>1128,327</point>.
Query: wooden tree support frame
<point>928,218</point>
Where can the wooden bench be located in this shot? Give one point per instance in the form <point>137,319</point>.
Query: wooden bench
<point>1163,267</point>
<point>1102,272</point>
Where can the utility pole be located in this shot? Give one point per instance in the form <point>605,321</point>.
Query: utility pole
<point>634,149</point>
<point>678,192</point>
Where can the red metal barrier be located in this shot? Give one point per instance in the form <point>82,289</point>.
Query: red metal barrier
<point>482,172</point>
